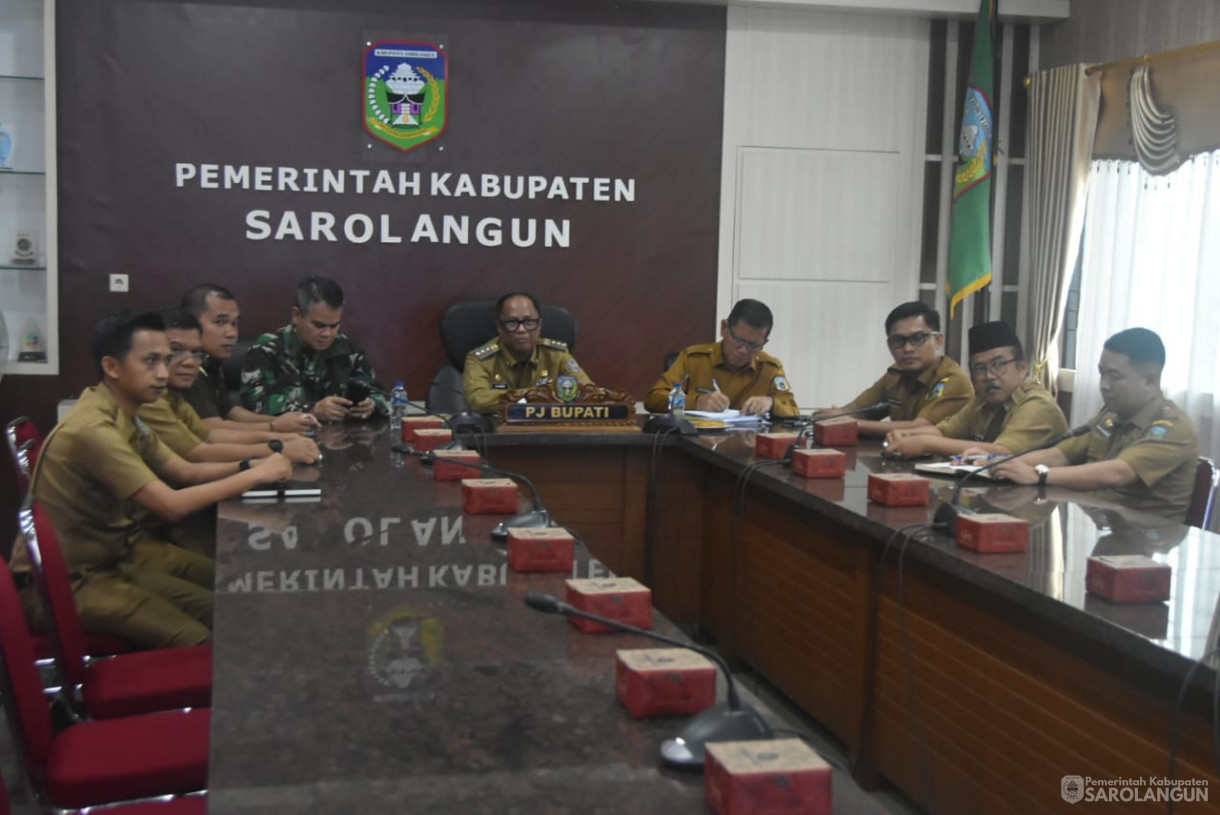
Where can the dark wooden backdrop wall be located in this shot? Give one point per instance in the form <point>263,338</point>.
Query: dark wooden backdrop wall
<point>589,89</point>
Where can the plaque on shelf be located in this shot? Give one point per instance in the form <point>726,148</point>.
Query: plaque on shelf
<point>25,248</point>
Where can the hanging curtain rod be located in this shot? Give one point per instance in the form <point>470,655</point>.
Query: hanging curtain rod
<point>1130,62</point>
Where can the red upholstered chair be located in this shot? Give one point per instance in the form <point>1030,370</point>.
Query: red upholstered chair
<point>1199,513</point>
<point>97,762</point>
<point>21,430</point>
<point>122,685</point>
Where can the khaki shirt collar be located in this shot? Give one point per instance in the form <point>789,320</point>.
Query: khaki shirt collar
<point>1145,416</point>
<point>101,398</point>
<point>1017,397</point>
<point>512,362</point>
<point>924,377</point>
<point>718,360</point>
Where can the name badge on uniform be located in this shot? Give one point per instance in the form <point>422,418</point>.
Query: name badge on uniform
<point>500,386</point>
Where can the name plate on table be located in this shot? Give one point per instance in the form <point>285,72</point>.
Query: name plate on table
<point>566,403</point>
<point>536,413</point>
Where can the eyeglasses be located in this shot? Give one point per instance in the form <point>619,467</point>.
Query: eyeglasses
<point>753,347</point>
<point>530,323</point>
<point>995,367</point>
<point>182,356</point>
<point>154,361</point>
<point>896,341</point>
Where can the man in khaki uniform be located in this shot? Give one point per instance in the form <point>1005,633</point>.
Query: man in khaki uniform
<point>1143,450</point>
<point>733,373</point>
<point>97,466</point>
<point>178,424</point>
<point>1008,414</point>
<point>518,358</point>
<point>921,384</point>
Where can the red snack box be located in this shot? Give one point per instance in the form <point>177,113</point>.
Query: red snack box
<point>1128,578</point>
<point>898,489</point>
<point>664,682</point>
<point>773,777</point>
<point>540,549</point>
<point>819,463</point>
<point>773,445</point>
<point>620,598</point>
<point>454,465</point>
<point>840,432</point>
<point>430,439</point>
<point>410,424</point>
<point>489,496</point>
<point>992,532</point>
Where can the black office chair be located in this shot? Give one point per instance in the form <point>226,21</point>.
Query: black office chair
<point>471,323</point>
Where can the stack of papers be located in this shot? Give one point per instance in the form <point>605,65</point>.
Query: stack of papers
<point>730,417</point>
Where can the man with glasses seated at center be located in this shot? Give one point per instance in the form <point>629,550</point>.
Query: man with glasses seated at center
<point>518,358</point>
<point>921,384</point>
<point>733,373</point>
<point>1008,414</point>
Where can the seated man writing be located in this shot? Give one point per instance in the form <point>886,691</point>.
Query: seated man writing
<point>1009,412</point>
<point>733,373</point>
<point>518,358</point>
<point>1142,451</point>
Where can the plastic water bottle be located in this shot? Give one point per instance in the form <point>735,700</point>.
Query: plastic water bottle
<point>398,406</point>
<point>677,400</point>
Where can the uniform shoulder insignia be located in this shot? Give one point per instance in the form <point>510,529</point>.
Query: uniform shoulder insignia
<point>780,383</point>
<point>701,350</point>
<point>486,351</point>
<point>558,344</point>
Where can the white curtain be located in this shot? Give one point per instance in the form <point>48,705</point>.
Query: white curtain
<point>1151,258</point>
<point>1063,105</point>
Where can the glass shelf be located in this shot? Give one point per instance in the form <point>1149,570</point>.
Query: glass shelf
<point>19,78</point>
<point>21,172</point>
<point>13,267</point>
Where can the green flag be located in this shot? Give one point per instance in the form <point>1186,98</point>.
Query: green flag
<point>970,226</point>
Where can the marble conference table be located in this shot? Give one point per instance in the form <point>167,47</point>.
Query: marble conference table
<point>372,652</point>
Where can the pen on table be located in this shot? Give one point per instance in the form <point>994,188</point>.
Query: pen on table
<point>716,385</point>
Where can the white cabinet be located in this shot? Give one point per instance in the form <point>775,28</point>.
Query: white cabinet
<point>29,279</point>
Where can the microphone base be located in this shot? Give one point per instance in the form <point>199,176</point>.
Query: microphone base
<point>946,517</point>
<point>719,723</point>
<point>526,520</point>
<point>668,423</point>
<point>430,456</point>
<point>467,422</point>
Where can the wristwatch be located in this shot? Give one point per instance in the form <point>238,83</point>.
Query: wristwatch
<point>276,445</point>
<point>1043,471</point>
<point>245,464</point>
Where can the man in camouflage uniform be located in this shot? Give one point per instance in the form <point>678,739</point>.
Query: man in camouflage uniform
<point>1142,451</point>
<point>733,373</point>
<point>518,358</point>
<point>309,365</point>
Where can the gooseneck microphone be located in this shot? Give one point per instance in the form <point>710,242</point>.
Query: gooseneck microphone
<point>531,519</point>
<point>808,426</point>
<point>731,721</point>
<point>947,513</point>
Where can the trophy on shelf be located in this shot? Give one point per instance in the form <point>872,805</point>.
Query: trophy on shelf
<point>25,248</point>
<point>32,348</point>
